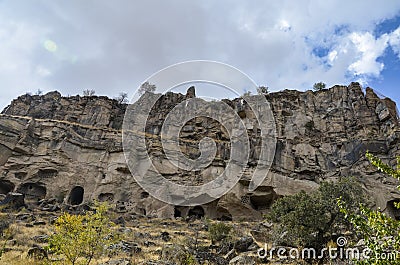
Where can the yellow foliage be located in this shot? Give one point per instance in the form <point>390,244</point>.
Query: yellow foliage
<point>80,238</point>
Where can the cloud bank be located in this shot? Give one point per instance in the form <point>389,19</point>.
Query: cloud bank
<point>112,46</point>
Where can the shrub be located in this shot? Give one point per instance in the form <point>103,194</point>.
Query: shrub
<point>6,232</point>
<point>262,90</point>
<point>310,125</point>
<point>147,87</point>
<point>4,222</point>
<point>380,232</point>
<point>319,86</point>
<point>188,259</point>
<point>177,254</point>
<point>313,219</point>
<point>81,238</point>
<point>246,94</point>
<point>218,231</point>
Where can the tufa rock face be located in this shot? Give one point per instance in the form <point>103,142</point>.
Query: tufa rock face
<point>70,148</point>
<point>94,111</point>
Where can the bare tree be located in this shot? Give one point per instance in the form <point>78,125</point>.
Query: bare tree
<point>89,92</point>
<point>147,87</point>
<point>122,98</point>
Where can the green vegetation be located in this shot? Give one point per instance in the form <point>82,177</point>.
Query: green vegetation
<point>81,238</point>
<point>262,90</point>
<point>147,87</point>
<point>246,94</point>
<point>5,232</point>
<point>380,232</point>
<point>218,231</point>
<point>177,254</point>
<point>312,219</point>
<point>310,125</point>
<point>319,86</point>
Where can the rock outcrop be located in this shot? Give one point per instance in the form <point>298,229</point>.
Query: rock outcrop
<point>70,149</point>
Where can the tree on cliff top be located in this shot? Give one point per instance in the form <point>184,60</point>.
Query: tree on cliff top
<point>262,90</point>
<point>319,86</point>
<point>122,98</point>
<point>89,92</point>
<point>147,87</point>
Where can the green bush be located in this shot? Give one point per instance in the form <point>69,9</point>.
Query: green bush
<point>262,90</point>
<point>177,254</point>
<point>6,233</point>
<point>319,86</point>
<point>81,238</point>
<point>381,233</point>
<point>310,125</point>
<point>189,259</point>
<point>313,219</point>
<point>218,231</point>
<point>147,87</point>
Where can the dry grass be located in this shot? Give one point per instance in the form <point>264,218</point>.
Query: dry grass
<point>146,233</point>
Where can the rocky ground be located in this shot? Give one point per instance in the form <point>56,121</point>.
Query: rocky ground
<point>146,240</point>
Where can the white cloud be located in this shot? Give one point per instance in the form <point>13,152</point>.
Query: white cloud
<point>332,56</point>
<point>113,47</point>
<point>394,40</point>
<point>325,25</point>
<point>369,50</point>
<point>283,25</point>
<point>18,44</point>
<point>42,71</point>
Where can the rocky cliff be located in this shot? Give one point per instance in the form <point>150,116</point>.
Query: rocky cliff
<point>70,149</point>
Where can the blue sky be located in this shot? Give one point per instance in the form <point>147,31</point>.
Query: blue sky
<point>113,46</point>
<point>388,83</point>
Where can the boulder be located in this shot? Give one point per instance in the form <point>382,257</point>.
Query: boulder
<point>37,252</point>
<point>242,260</point>
<point>13,201</point>
<point>243,244</point>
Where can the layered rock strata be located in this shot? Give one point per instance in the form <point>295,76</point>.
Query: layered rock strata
<point>70,149</point>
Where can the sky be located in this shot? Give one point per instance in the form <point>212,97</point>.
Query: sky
<point>113,46</point>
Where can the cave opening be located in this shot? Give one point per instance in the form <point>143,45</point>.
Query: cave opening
<point>33,190</point>
<point>263,198</point>
<point>106,197</point>
<point>392,209</point>
<point>142,211</point>
<point>224,214</point>
<point>144,195</point>
<point>177,213</point>
<point>197,212</point>
<point>76,195</point>
<point>6,187</point>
